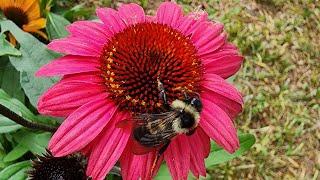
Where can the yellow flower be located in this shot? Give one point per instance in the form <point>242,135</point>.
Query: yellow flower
<point>25,14</point>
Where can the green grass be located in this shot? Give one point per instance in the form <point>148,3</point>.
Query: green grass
<point>279,80</point>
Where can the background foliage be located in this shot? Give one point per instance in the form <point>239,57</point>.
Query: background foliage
<point>279,80</point>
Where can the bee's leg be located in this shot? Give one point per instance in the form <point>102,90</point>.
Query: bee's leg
<point>164,148</point>
<point>160,152</point>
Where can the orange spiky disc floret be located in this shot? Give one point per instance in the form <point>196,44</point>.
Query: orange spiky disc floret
<point>135,59</point>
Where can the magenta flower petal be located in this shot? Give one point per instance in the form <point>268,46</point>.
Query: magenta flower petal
<point>89,30</point>
<point>218,125</point>
<point>111,19</point>
<point>63,98</point>
<point>135,166</point>
<point>87,77</point>
<point>82,126</point>
<point>177,157</point>
<point>147,165</point>
<point>197,165</point>
<point>75,46</point>
<point>205,142</point>
<point>217,84</point>
<point>169,13</point>
<point>208,32</point>
<point>130,165</point>
<point>188,24</point>
<point>224,66</point>
<point>110,145</point>
<point>69,65</point>
<point>132,13</point>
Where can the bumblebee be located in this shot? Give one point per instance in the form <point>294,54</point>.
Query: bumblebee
<point>155,131</point>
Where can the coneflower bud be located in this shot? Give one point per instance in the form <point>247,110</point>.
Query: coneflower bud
<point>48,167</point>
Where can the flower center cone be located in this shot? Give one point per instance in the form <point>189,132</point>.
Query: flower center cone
<point>134,60</point>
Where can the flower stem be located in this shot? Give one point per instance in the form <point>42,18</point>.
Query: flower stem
<point>28,124</point>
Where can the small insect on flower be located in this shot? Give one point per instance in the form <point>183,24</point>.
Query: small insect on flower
<point>155,131</point>
<point>48,167</point>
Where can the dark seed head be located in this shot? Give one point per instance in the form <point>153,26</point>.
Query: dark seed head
<point>48,167</point>
<point>17,15</point>
<point>135,59</point>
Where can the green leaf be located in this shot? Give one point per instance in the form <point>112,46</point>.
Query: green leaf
<point>20,175</point>
<point>78,11</point>
<point>34,55</point>
<point>16,106</point>
<point>56,26</point>
<point>163,173</point>
<point>7,48</point>
<point>6,125</point>
<point>15,153</point>
<point>13,169</point>
<point>218,155</point>
<point>10,79</point>
<point>36,143</point>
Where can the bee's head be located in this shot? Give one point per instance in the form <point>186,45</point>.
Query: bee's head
<point>196,103</point>
<point>187,120</point>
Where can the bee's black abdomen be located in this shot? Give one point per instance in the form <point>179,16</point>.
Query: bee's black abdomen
<point>187,120</point>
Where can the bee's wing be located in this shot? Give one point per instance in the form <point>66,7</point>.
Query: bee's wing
<point>157,129</point>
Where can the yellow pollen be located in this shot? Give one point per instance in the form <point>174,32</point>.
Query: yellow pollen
<point>109,66</point>
<point>134,101</point>
<point>108,72</point>
<point>111,79</point>
<point>128,97</point>
<point>110,60</point>
<point>143,103</point>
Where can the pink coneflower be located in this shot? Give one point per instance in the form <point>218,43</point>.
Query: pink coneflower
<point>110,72</point>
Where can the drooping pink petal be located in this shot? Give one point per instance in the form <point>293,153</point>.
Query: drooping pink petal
<point>69,65</point>
<point>63,98</point>
<point>132,13</point>
<point>205,141</point>
<point>139,166</point>
<point>111,19</point>
<point>227,49</point>
<point>130,165</point>
<point>231,107</point>
<point>148,166</point>
<point>177,157</point>
<point>169,13</point>
<point>197,153</point>
<point>218,125</point>
<point>218,85</point>
<point>76,46</point>
<point>82,126</point>
<point>109,147</point>
<point>89,30</point>
<point>224,62</point>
